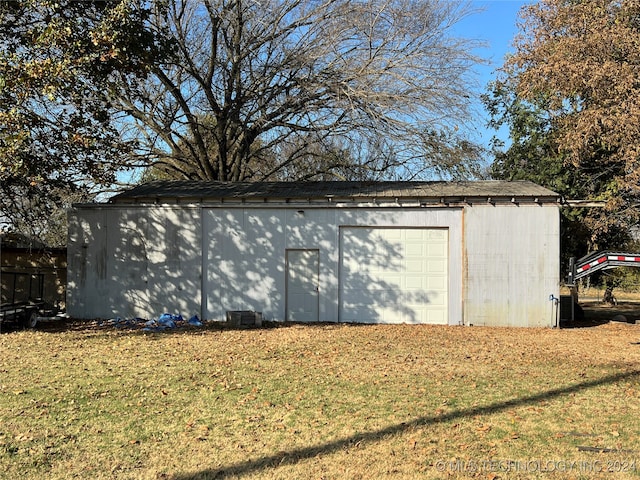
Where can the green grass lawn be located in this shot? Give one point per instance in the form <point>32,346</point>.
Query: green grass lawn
<point>321,402</point>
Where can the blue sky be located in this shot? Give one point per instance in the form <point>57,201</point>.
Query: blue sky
<point>495,25</point>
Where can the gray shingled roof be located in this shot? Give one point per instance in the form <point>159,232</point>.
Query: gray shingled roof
<point>211,191</point>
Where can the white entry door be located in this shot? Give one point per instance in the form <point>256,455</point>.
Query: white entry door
<point>302,285</point>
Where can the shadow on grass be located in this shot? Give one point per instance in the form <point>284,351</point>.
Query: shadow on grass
<point>97,326</point>
<point>597,313</point>
<point>294,456</point>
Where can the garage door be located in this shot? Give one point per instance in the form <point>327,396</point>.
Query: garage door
<point>394,275</point>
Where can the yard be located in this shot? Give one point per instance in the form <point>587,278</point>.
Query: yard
<point>324,401</point>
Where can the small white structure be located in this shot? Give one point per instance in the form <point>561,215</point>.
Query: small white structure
<point>464,253</point>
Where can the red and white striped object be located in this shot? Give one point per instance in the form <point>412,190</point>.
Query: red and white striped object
<point>607,258</point>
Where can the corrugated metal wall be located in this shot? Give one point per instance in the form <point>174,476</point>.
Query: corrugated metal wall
<point>141,261</point>
<point>512,265</point>
<point>134,261</point>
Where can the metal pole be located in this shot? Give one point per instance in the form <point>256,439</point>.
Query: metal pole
<point>571,283</point>
<point>572,272</point>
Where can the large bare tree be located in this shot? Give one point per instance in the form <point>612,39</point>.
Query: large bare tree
<point>257,89</point>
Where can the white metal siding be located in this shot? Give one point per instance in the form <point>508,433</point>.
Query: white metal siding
<point>134,261</point>
<point>512,258</point>
<point>394,275</point>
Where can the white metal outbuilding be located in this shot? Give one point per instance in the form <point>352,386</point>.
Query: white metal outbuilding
<point>456,253</point>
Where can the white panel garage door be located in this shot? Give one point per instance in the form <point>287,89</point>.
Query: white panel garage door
<point>394,275</point>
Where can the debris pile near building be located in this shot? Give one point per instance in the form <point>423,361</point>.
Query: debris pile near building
<point>166,321</point>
